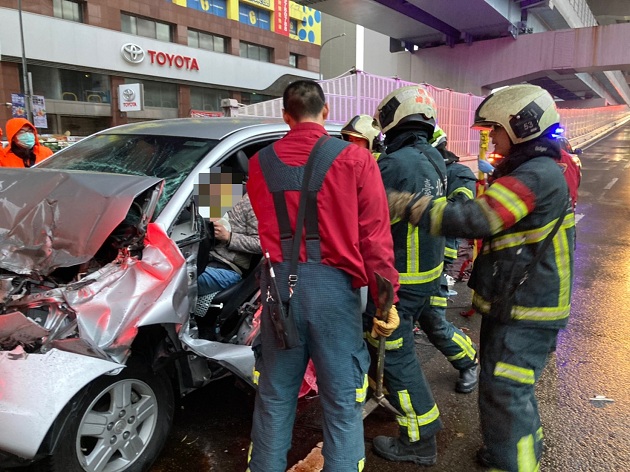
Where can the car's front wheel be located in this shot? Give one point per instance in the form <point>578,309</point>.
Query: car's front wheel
<point>118,423</point>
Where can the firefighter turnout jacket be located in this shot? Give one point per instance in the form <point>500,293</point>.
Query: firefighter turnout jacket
<point>514,216</point>
<point>411,164</point>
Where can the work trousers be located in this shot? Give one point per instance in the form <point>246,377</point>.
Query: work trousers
<point>407,387</point>
<point>512,358</point>
<point>444,335</point>
<point>328,315</point>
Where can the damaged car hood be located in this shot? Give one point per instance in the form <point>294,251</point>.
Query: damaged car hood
<point>51,218</point>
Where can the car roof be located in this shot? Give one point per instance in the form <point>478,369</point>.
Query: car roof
<point>205,128</point>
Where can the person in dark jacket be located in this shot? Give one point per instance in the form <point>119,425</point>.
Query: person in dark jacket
<point>522,278</point>
<point>24,149</point>
<point>347,241</point>
<point>451,341</point>
<point>407,118</point>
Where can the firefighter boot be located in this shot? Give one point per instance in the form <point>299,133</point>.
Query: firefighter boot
<point>468,379</point>
<point>423,452</point>
<point>484,459</point>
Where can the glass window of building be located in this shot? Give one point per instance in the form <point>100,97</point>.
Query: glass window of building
<point>211,42</point>
<point>293,60</point>
<point>250,15</point>
<point>70,85</point>
<point>68,10</point>
<point>293,26</point>
<point>248,98</point>
<point>144,27</point>
<point>207,99</point>
<point>157,94</point>
<point>256,52</point>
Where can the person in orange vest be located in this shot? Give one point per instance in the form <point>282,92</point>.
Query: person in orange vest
<point>23,149</point>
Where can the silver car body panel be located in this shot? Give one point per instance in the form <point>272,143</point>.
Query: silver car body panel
<point>26,412</point>
<point>110,304</point>
<point>237,358</point>
<point>51,218</point>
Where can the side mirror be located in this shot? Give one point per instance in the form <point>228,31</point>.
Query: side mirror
<point>577,151</point>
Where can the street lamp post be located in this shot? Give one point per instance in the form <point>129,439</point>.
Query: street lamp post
<point>27,93</point>
<point>321,50</point>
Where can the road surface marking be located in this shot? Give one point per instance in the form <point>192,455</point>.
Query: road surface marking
<point>578,217</point>
<point>627,166</point>
<point>611,183</point>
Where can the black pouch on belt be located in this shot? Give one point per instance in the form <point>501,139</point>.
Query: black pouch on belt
<point>283,321</point>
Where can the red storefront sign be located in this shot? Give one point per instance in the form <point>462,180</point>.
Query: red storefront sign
<point>177,60</point>
<point>281,21</point>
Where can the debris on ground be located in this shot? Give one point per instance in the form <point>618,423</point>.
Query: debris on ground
<point>313,462</point>
<point>600,401</point>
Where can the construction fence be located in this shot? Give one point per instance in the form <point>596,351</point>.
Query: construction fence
<point>357,92</point>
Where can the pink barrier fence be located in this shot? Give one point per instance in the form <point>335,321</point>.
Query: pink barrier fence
<point>360,93</point>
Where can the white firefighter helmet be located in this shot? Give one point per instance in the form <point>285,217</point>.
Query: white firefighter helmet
<point>439,137</point>
<point>406,105</point>
<point>362,126</point>
<point>525,111</point>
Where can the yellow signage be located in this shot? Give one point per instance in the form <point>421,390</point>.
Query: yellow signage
<point>260,3</point>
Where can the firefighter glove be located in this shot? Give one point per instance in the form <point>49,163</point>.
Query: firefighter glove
<point>407,206</point>
<point>387,326</point>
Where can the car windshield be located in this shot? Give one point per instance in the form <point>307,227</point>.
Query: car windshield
<point>168,157</point>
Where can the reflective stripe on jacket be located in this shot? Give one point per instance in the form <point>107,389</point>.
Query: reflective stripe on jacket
<point>514,216</point>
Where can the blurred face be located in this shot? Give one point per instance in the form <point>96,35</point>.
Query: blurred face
<point>501,140</point>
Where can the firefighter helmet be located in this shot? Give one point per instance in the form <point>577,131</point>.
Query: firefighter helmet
<point>410,104</point>
<point>362,126</point>
<point>439,137</point>
<point>525,111</point>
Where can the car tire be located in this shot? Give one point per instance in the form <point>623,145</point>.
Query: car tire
<point>116,423</point>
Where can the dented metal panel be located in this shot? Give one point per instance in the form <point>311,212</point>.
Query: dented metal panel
<point>52,218</point>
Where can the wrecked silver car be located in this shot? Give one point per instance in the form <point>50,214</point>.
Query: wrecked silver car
<point>100,325</point>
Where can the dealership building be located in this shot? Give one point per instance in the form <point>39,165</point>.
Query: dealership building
<point>185,56</point>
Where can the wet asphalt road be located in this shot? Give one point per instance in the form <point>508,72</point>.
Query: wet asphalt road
<point>211,429</point>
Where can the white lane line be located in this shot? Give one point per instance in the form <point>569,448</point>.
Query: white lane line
<point>578,217</point>
<point>611,183</point>
<point>627,166</point>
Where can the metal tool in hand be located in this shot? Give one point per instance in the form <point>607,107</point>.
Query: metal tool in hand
<point>385,301</point>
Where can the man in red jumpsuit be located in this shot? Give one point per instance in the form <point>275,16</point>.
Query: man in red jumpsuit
<point>347,241</point>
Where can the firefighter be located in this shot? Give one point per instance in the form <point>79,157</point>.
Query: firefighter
<point>363,131</point>
<point>407,118</point>
<point>446,337</point>
<point>344,246</point>
<point>24,149</point>
<point>522,278</point>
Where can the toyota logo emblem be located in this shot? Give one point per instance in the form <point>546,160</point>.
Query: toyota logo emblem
<point>128,95</point>
<point>132,53</point>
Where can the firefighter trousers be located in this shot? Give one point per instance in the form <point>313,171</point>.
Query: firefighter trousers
<point>328,315</point>
<point>512,358</point>
<point>444,335</point>
<point>406,385</point>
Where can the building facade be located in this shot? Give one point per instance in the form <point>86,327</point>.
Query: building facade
<point>187,54</point>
